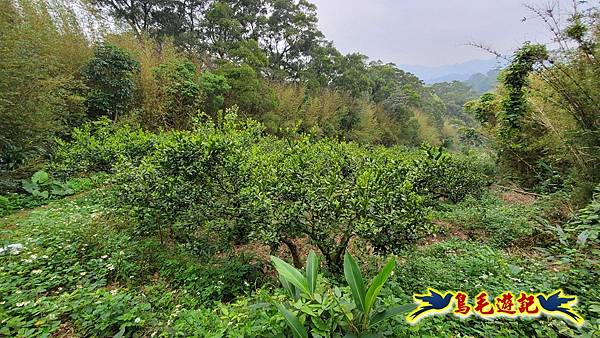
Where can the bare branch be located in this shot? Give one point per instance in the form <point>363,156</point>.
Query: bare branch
<point>488,49</point>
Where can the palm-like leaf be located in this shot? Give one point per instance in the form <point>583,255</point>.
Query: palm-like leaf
<point>379,317</point>
<point>377,285</point>
<point>312,271</point>
<point>298,330</point>
<point>291,274</point>
<point>355,280</point>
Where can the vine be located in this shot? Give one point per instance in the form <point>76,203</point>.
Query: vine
<point>514,106</point>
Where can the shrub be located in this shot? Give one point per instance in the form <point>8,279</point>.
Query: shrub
<point>214,88</point>
<point>438,174</point>
<point>189,184</point>
<point>247,90</point>
<point>98,146</point>
<point>332,192</point>
<point>224,181</point>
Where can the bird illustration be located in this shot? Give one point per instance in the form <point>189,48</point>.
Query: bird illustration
<point>555,302</point>
<point>434,301</point>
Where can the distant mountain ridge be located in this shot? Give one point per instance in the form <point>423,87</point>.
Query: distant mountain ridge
<point>454,72</point>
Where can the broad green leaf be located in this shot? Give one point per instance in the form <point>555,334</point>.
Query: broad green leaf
<point>513,269</point>
<point>29,186</point>
<point>40,177</point>
<point>293,322</point>
<point>355,280</point>
<point>291,274</point>
<point>42,194</point>
<point>312,271</point>
<point>379,317</point>
<point>377,284</point>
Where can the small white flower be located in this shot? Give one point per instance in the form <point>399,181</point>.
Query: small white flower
<point>45,256</point>
<point>114,292</point>
<point>137,320</point>
<point>33,257</point>
<point>82,273</point>
<point>121,252</point>
<point>36,272</point>
<point>104,256</point>
<point>110,267</point>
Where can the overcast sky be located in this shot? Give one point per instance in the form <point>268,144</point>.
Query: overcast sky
<point>430,32</point>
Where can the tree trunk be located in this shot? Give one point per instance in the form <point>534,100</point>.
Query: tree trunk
<point>294,252</point>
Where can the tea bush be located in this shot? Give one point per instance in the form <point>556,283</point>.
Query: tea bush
<point>190,183</point>
<point>224,180</point>
<point>98,146</point>
<point>332,192</point>
<point>440,175</point>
